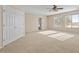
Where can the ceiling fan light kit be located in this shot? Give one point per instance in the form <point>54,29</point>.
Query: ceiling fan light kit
<point>55,8</point>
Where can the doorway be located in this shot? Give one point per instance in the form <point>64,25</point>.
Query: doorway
<point>40,24</point>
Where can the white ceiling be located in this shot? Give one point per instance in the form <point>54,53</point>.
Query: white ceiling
<point>43,9</point>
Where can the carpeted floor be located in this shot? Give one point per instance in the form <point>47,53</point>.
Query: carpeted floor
<point>39,42</point>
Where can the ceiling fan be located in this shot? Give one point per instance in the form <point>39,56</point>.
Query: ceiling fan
<point>55,8</point>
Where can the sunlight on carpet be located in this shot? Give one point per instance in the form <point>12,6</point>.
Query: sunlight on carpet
<point>47,32</point>
<point>57,35</point>
<point>61,36</point>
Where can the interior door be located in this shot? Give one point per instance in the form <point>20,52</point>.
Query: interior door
<point>19,26</point>
<point>8,26</point>
<point>5,28</point>
<point>11,27</point>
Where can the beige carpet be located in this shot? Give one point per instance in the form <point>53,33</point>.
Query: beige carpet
<point>38,43</point>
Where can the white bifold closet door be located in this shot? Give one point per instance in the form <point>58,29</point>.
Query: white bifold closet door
<point>13,25</point>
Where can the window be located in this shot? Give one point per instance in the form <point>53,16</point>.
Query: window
<point>58,21</point>
<point>75,21</point>
<point>68,21</point>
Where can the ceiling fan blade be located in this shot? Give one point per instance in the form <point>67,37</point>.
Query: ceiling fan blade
<point>54,8</point>
<point>59,8</point>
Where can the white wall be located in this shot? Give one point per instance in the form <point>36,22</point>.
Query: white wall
<point>44,23</point>
<point>50,22</point>
<point>32,22</point>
